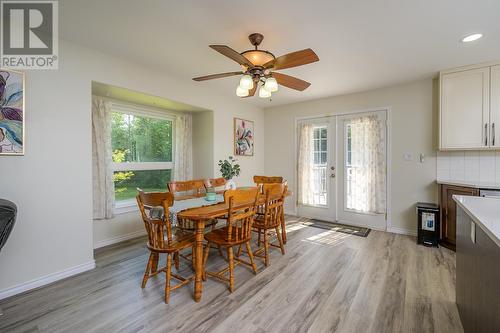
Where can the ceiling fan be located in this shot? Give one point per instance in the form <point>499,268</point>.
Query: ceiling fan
<point>259,66</point>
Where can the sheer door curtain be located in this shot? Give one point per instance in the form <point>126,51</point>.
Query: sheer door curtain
<point>366,172</point>
<point>305,190</point>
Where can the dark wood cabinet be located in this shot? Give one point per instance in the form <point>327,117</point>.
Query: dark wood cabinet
<point>477,277</point>
<point>448,212</point>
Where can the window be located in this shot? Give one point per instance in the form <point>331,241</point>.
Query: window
<point>320,166</point>
<point>142,149</point>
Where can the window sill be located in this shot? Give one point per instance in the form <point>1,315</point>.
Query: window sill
<point>125,206</point>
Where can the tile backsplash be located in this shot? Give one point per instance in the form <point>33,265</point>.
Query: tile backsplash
<point>469,166</point>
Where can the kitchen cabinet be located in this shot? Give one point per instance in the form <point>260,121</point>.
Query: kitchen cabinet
<point>469,108</point>
<point>448,212</point>
<point>477,276</point>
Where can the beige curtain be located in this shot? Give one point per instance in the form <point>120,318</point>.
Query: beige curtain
<point>183,152</point>
<point>102,172</point>
<point>305,161</point>
<point>367,175</point>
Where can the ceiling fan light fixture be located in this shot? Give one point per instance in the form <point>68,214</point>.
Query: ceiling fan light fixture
<point>263,92</point>
<point>240,92</point>
<point>246,82</point>
<point>271,84</point>
<point>258,57</point>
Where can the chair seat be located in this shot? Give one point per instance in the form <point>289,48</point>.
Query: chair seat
<point>219,236</point>
<point>180,240</point>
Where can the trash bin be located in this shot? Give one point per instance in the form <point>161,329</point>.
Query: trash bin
<point>428,224</point>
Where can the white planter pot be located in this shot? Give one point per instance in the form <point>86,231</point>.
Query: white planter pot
<point>230,185</point>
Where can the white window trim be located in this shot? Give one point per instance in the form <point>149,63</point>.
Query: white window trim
<point>130,205</point>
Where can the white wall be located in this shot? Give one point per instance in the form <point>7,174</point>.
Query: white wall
<point>203,144</point>
<point>52,183</point>
<point>413,131</point>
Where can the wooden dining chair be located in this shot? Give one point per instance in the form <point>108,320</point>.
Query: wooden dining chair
<point>270,220</point>
<point>162,238</point>
<point>261,180</point>
<point>194,187</point>
<point>241,210</point>
<point>185,190</point>
<point>216,183</point>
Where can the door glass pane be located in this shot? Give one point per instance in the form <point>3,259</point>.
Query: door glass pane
<point>320,193</point>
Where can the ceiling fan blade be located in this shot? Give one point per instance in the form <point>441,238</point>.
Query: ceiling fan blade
<point>216,76</point>
<point>291,82</point>
<point>251,92</point>
<point>232,54</point>
<point>293,59</point>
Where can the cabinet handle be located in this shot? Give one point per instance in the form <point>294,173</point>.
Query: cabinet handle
<point>485,134</point>
<point>493,134</point>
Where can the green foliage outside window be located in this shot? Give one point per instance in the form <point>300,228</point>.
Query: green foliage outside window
<point>140,139</point>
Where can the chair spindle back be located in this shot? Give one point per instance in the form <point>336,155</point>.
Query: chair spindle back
<point>159,229</point>
<point>275,197</point>
<point>242,208</point>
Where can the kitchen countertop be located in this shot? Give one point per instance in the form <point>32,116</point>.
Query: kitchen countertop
<point>481,185</point>
<point>485,212</point>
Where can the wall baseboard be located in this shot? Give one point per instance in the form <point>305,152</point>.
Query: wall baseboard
<point>47,279</point>
<point>402,231</point>
<point>118,239</point>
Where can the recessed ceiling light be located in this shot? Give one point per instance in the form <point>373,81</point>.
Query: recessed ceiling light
<point>471,38</point>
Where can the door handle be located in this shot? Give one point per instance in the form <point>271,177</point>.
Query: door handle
<point>332,175</point>
<point>485,134</point>
<point>493,134</point>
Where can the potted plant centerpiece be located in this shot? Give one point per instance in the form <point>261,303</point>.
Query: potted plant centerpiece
<point>229,169</point>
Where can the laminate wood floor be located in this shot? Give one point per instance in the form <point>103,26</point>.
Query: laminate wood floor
<point>326,282</point>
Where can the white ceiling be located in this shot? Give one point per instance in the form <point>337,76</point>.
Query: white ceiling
<point>361,44</point>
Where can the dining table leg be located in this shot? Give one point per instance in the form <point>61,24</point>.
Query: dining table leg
<point>200,227</point>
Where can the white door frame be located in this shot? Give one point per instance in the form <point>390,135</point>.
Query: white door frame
<point>388,109</point>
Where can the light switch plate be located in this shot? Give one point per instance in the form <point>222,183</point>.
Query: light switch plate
<point>407,157</point>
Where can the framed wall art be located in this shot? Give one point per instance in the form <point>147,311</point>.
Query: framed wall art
<point>243,137</point>
<point>11,112</point>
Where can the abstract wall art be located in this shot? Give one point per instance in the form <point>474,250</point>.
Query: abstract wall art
<point>11,112</point>
<point>243,137</point>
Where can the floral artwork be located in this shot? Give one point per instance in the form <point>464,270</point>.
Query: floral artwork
<point>243,137</point>
<point>11,112</point>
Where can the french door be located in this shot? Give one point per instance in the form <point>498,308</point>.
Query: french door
<point>321,202</point>
<point>341,179</point>
<point>352,199</point>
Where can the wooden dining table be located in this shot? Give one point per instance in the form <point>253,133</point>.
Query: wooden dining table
<point>200,215</point>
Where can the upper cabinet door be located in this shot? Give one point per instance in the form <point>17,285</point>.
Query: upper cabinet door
<point>464,115</point>
<point>495,106</point>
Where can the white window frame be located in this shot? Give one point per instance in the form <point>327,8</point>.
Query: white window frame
<point>130,205</point>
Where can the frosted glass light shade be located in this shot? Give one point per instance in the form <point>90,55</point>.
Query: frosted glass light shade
<point>240,92</point>
<point>246,82</point>
<point>263,93</point>
<point>271,84</point>
<point>258,57</point>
